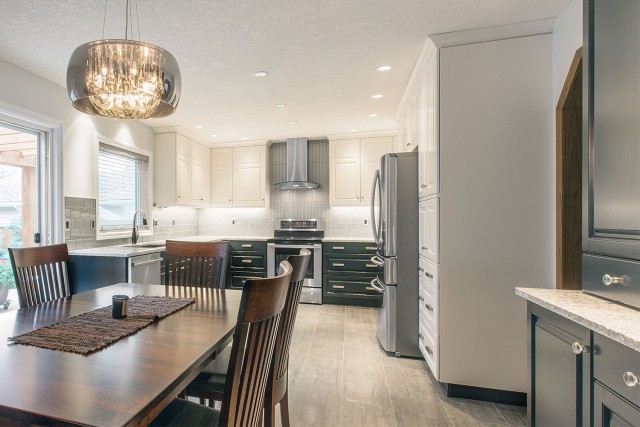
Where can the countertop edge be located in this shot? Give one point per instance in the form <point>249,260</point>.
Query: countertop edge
<point>610,319</point>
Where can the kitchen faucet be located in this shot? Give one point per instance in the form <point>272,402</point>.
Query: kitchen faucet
<point>135,233</point>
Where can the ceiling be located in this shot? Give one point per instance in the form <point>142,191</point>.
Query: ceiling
<point>321,55</point>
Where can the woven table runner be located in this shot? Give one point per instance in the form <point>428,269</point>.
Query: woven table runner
<point>95,330</point>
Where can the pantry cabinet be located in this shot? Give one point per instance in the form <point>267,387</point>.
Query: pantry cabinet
<point>182,171</point>
<point>239,176</point>
<point>353,163</point>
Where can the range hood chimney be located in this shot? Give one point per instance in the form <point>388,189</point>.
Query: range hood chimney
<point>297,165</point>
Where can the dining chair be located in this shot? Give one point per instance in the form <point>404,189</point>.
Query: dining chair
<point>210,383</point>
<point>41,273</point>
<point>201,264</point>
<point>252,349</point>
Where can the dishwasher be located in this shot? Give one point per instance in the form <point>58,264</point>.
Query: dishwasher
<point>145,269</point>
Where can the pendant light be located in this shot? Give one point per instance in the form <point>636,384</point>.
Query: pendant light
<point>123,79</point>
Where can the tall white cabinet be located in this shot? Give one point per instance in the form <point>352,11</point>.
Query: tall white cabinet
<point>486,198</point>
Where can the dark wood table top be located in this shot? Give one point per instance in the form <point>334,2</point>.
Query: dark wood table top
<point>127,383</point>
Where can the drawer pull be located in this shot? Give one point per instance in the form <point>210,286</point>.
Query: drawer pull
<point>420,336</point>
<point>247,246</point>
<point>426,347</point>
<point>338,248</point>
<point>338,286</point>
<point>337,264</point>
<point>423,186</point>
<point>428,307</point>
<point>246,261</point>
<point>369,288</point>
<point>420,269</point>
<point>424,248</point>
<point>370,248</point>
<point>371,266</point>
<point>630,379</point>
<point>420,298</point>
<point>429,275</point>
<point>579,348</point>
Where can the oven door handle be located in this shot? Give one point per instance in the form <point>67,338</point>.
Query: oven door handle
<point>281,245</point>
<point>375,282</point>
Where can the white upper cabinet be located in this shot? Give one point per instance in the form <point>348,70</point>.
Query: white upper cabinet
<point>239,176</point>
<point>353,163</point>
<point>428,163</point>
<point>181,172</point>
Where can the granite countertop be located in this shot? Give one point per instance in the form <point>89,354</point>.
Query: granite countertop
<point>144,248</point>
<point>615,321</point>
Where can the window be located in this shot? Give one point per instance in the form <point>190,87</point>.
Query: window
<point>123,188</point>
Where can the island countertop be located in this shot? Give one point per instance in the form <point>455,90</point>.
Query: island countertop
<point>613,320</point>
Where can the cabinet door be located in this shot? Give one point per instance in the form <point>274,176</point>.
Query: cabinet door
<point>415,121</point>
<point>428,150</point>
<point>249,177</point>
<point>429,229</point>
<point>611,410</point>
<point>200,173</point>
<point>184,178</point>
<point>344,180</point>
<point>221,174</point>
<point>371,149</point>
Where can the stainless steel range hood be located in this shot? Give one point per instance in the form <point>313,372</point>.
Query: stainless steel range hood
<point>297,165</point>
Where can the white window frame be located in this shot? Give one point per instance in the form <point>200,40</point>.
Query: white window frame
<point>148,210</point>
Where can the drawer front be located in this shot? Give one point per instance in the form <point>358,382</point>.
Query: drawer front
<point>428,292</point>
<point>248,245</point>
<point>335,264</point>
<point>428,343</point>
<point>237,280</point>
<point>349,248</point>
<point>617,367</point>
<point>249,261</point>
<point>339,285</point>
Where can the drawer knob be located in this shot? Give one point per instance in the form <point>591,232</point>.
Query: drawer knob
<point>609,280</point>
<point>428,307</point>
<point>579,348</point>
<point>424,248</point>
<point>420,336</point>
<point>630,379</point>
<point>420,298</point>
<point>426,347</point>
<point>429,275</point>
<point>420,269</point>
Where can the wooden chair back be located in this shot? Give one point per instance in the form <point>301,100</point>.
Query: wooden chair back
<point>278,378</point>
<point>252,349</point>
<point>41,273</point>
<point>202,264</point>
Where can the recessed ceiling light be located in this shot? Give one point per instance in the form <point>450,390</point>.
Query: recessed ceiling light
<point>354,130</point>
<point>213,135</point>
<point>198,126</point>
<point>291,123</point>
<point>245,138</point>
<point>280,105</point>
<point>377,96</point>
<point>373,115</point>
<point>260,73</point>
<point>384,68</point>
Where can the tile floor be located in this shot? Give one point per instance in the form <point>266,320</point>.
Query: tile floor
<point>339,376</point>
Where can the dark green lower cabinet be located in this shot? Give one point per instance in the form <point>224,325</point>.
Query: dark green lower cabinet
<point>612,410</point>
<point>347,274</point>
<point>247,259</point>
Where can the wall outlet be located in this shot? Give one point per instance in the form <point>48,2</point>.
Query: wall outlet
<point>233,222</point>
<point>155,222</point>
<point>365,221</point>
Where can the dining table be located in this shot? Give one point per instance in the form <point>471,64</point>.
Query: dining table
<point>126,383</point>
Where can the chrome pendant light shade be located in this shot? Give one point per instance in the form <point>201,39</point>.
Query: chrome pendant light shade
<point>123,79</point>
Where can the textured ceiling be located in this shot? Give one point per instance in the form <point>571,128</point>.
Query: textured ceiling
<point>321,55</point>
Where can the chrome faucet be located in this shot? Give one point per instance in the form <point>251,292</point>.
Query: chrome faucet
<point>135,233</point>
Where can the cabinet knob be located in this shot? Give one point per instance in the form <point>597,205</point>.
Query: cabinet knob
<point>609,280</point>
<point>423,186</point>
<point>420,336</point>
<point>420,298</point>
<point>579,348</point>
<point>428,307</point>
<point>429,275</point>
<point>630,379</point>
<point>426,347</point>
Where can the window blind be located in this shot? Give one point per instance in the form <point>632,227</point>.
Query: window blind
<point>123,187</point>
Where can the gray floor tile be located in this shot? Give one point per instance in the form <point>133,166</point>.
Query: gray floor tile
<point>366,386</point>
<point>366,414</point>
<point>408,383</point>
<point>427,412</point>
<point>515,419</point>
<point>511,408</point>
<point>471,411</point>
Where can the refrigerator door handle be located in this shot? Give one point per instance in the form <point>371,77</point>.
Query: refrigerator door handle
<point>376,188</point>
<point>375,282</point>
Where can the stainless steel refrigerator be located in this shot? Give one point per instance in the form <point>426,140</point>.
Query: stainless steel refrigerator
<point>394,219</point>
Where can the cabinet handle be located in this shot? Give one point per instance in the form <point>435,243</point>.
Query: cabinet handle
<point>370,248</point>
<point>337,264</point>
<point>423,186</point>
<point>247,246</point>
<point>630,379</point>
<point>609,280</point>
<point>338,248</point>
<point>229,200</point>
<point>408,144</point>
<point>579,348</point>
<point>369,288</point>
<point>246,261</point>
<point>371,266</point>
<point>338,286</point>
<point>420,298</point>
<point>429,275</point>
<point>424,248</point>
<point>426,347</point>
<point>428,307</point>
<point>420,336</point>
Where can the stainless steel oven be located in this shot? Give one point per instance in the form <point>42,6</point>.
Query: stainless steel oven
<point>291,235</point>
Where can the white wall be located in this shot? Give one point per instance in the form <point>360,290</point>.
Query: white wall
<point>26,91</point>
<point>567,38</point>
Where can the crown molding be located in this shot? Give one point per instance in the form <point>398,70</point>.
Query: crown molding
<point>360,135</point>
<point>498,32</point>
